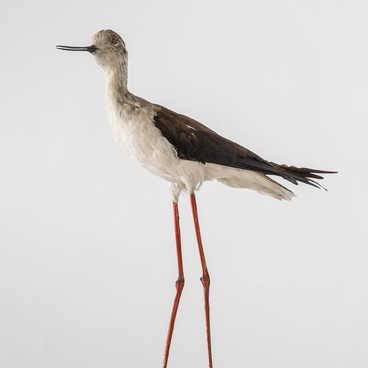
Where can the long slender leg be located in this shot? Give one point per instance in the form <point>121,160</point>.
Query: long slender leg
<point>179,284</point>
<point>205,278</point>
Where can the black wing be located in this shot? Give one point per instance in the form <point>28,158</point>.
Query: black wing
<point>195,142</point>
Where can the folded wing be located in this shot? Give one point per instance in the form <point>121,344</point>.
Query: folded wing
<point>195,142</point>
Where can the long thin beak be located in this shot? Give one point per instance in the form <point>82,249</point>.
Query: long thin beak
<point>75,48</point>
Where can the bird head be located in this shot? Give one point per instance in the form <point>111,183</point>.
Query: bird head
<point>108,50</point>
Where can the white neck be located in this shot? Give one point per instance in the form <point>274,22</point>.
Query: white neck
<point>117,81</point>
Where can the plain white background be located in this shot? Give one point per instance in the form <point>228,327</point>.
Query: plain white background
<point>87,255</point>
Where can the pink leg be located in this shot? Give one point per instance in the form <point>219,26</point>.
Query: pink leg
<point>205,278</point>
<point>179,284</point>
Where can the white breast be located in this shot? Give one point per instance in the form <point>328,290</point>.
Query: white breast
<point>132,127</point>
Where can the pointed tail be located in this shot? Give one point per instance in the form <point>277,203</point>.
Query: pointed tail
<point>301,174</point>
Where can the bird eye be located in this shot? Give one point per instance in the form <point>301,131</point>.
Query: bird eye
<point>114,40</point>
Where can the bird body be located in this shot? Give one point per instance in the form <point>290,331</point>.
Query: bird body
<point>182,151</point>
<point>175,147</point>
<point>132,123</point>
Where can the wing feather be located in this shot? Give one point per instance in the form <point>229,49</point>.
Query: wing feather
<point>195,142</point>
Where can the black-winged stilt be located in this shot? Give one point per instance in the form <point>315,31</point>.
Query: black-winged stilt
<point>182,151</point>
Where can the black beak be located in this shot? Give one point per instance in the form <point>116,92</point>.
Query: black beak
<point>75,48</point>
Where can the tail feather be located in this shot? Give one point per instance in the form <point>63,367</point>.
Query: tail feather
<point>300,174</point>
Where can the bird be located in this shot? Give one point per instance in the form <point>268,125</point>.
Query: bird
<point>185,153</point>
